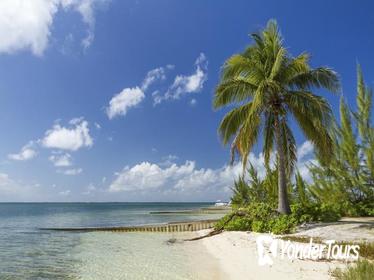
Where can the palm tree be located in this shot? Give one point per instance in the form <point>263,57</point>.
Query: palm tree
<point>268,86</point>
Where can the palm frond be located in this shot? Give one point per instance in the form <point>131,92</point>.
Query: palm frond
<point>233,120</point>
<point>321,77</point>
<point>235,90</point>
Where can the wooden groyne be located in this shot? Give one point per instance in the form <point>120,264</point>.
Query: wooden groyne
<point>169,227</point>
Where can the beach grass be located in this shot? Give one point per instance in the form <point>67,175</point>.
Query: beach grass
<point>362,270</point>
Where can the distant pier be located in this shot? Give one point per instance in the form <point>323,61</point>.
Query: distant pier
<point>207,210</point>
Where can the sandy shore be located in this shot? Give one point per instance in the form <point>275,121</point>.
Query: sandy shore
<point>237,255</point>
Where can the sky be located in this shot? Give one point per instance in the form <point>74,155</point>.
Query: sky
<point>111,100</point>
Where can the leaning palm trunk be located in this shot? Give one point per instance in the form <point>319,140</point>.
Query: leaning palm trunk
<point>283,205</point>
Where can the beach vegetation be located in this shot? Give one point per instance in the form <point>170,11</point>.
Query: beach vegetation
<point>347,181</point>
<point>362,270</point>
<point>261,217</point>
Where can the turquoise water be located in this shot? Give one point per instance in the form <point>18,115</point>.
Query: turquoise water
<point>29,253</point>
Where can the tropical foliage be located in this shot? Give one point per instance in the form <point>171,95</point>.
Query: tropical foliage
<point>256,189</point>
<point>362,270</point>
<point>254,199</point>
<point>348,180</point>
<point>268,86</point>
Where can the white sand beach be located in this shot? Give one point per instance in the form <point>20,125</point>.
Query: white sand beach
<point>237,252</point>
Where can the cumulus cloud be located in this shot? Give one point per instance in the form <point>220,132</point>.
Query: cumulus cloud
<point>168,160</point>
<point>72,138</point>
<point>173,180</point>
<point>14,190</point>
<point>71,172</point>
<point>130,97</point>
<point>305,149</point>
<point>303,168</point>
<point>167,176</point>
<point>86,8</point>
<point>61,160</point>
<point>178,178</point>
<point>26,24</point>
<point>184,84</point>
<point>155,75</point>
<point>123,101</point>
<point>27,152</point>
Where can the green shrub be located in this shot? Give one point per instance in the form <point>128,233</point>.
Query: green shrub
<point>362,270</point>
<point>239,224</point>
<point>261,217</point>
<point>260,226</point>
<point>261,211</point>
<point>327,213</point>
<point>222,223</point>
<point>315,213</point>
<point>283,224</point>
<point>258,217</point>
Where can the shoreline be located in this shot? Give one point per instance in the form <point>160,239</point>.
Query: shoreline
<point>236,252</point>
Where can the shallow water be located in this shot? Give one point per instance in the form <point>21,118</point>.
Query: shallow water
<point>29,253</point>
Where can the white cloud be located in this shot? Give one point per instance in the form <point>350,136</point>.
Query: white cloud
<point>71,138</point>
<point>67,44</point>
<point>168,160</point>
<point>186,84</point>
<point>71,172</point>
<point>86,8</point>
<point>305,149</point>
<point>7,184</point>
<point>65,193</point>
<point>97,125</point>
<point>27,152</point>
<point>303,168</point>
<point>147,176</point>
<point>123,101</point>
<point>62,160</point>
<point>130,97</point>
<point>304,160</point>
<point>155,75</point>
<point>169,180</point>
<point>90,189</point>
<point>26,24</point>
<point>14,190</point>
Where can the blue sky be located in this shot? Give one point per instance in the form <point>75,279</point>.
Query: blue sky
<point>83,118</point>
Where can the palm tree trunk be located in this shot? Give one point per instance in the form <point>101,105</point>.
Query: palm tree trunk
<point>283,204</point>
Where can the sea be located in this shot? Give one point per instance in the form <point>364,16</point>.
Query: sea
<point>27,252</point>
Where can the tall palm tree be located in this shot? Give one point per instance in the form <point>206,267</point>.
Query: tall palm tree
<point>268,87</point>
